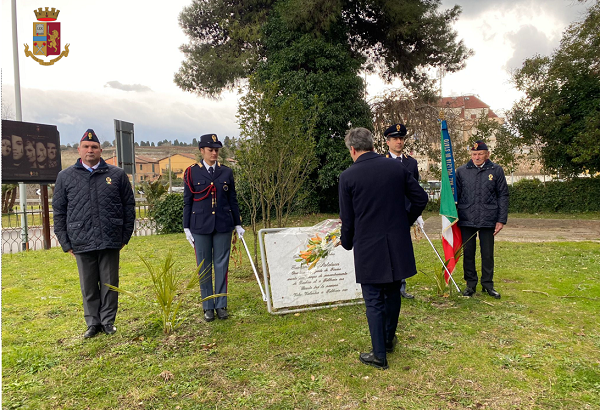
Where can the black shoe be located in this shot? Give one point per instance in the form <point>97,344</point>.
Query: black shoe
<point>492,292</point>
<point>406,295</point>
<point>468,292</point>
<point>109,329</point>
<point>222,313</point>
<point>209,315</point>
<point>389,346</point>
<point>92,331</point>
<point>372,360</point>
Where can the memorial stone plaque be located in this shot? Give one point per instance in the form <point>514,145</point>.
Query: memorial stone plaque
<point>332,280</point>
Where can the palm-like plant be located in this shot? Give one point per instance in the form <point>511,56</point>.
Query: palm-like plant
<point>169,287</point>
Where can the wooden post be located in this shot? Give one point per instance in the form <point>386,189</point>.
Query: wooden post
<point>45,216</point>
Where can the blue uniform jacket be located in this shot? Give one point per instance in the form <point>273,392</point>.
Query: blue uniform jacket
<point>411,165</point>
<point>210,204</point>
<point>374,222</point>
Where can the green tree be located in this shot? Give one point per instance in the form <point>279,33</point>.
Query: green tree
<point>314,49</point>
<point>507,143</point>
<point>560,112</point>
<point>278,153</point>
<point>154,190</point>
<point>228,40</point>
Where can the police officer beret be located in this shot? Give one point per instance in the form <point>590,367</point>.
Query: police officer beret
<point>89,135</point>
<point>395,131</point>
<point>479,146</point>
<point>209,140</point>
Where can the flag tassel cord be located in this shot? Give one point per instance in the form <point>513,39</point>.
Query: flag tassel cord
<point>254,269</point>
<point>440,258</point>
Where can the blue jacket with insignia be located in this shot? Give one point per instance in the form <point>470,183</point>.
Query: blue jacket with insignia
<point>93,210</point>
<point>482,195</point>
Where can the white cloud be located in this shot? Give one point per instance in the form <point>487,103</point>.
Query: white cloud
<point>127,87</point>
<point>118,46</point>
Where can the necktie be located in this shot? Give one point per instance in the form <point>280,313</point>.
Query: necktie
<point>211,171</point>
<point>399,157</point>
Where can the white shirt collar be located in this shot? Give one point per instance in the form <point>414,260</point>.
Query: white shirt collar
<point>394,155</point>
<point>214,166</point>
<point>88,167</point>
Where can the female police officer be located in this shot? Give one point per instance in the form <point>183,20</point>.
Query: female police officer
<point>210,214</point>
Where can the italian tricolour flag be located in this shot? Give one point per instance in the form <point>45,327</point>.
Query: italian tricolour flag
<point>451,238</point>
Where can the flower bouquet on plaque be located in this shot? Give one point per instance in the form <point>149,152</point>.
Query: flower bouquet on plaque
<point>324,237</point>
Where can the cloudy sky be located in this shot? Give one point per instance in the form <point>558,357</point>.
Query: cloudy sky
<point>123,55</point>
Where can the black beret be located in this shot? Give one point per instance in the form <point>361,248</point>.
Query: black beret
<point>209,140</point>
<point>89,135</point>
<point>479,146</point>
<point>395,131</point>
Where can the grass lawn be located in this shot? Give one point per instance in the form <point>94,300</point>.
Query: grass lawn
<point>536,348</point>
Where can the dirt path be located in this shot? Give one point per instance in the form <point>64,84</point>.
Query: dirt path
<point>535,230</point>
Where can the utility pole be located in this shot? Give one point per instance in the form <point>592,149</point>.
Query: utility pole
<point>19,114</point>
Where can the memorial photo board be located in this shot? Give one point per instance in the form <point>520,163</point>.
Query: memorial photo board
<point>30,152</point>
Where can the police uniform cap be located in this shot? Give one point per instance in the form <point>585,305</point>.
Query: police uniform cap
<point>479,146</point>
<point>395,131</point>
<point>90,135</point>
<point>209,140</point>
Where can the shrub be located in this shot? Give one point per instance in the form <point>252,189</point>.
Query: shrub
<point>168,214</point>
<point>576,195</point>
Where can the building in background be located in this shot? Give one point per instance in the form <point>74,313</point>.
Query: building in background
<point>178,163</point>
<point>470,109</point>
<point>146,168</point>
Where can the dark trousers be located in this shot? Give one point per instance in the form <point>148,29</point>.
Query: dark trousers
<point>95,269</point>
<point>213,251</point>
<point>403,285</point>
<point>383,308</point>
<point>486,247</point>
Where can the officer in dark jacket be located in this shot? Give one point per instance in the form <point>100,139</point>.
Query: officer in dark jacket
<point>210,214</point>
<point>375,223</point>
<point>482,208</point>
<point>94,217</point>
<point>396,137</point>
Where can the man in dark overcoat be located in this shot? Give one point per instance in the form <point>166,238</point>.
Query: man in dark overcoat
<point>482,207</point>
<point>94,218</point>
<point>375,223</point>
<point>396,138</point>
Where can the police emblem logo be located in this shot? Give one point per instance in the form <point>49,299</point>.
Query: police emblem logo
<point>475,146</point>
<point>398,127</point>
<point>214,138</point>
<point>90,136</point>
<point>225,188</point>
<point>46,37</point>
<point>490,177</point>
<point>108,180</point>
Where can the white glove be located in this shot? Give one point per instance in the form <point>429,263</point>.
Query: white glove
<point>240,231</point>
<point>189,236</point>
<point>420,222</point>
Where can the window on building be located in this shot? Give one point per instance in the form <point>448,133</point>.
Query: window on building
<point>140,167</point>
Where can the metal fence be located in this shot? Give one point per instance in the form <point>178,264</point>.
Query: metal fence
<point>12,241</point>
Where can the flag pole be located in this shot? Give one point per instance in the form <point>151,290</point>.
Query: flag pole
<point>440,258</point>
<point>254,269</point>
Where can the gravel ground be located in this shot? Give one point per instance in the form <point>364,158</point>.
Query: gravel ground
<point>535,230</point>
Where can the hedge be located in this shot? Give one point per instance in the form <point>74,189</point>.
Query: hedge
<point>168,214</point>
<point>573,196</point>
